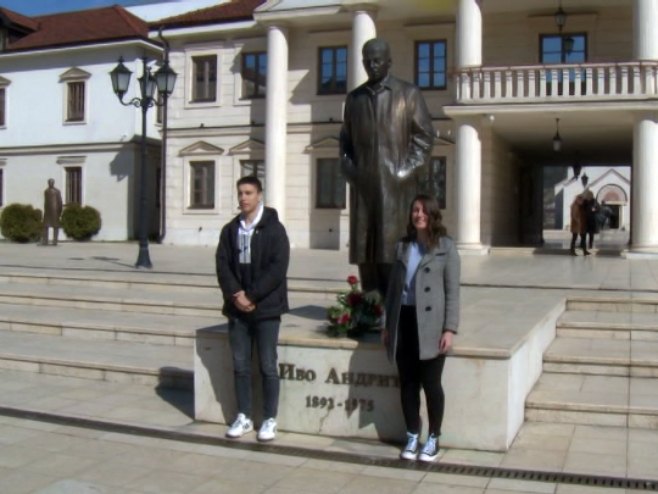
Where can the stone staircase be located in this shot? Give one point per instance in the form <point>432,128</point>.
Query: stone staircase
<point>115,326</point>
<point>602,367</point>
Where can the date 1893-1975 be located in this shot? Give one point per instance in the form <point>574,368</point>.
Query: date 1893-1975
<point>349,404</point>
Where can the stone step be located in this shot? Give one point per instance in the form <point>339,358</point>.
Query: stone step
<point>602,324</point>
<point>638,303</point>
<point>103,298</point>
<point>606,357</point>
<point>114,361</point>
<point>92,324</point>
<point>154,281</point>
<point>596,400</point>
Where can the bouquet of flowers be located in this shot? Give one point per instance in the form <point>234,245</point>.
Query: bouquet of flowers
<point>355,312</point>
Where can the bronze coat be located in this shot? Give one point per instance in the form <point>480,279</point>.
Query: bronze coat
<point>385,141</point>
<point>52,207</point>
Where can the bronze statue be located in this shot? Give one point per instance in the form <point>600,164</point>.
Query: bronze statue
<point>52,210</point>
<point>385,143</point>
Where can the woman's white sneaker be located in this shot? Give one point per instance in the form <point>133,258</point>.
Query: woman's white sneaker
<point>240,427</point>
<point>430,450</point>
<point>410,451</point>
<point>267,430</point>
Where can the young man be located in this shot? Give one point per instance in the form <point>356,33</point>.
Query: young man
<point>252,261</point>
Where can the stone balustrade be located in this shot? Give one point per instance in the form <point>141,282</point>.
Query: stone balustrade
<point>564,82</point>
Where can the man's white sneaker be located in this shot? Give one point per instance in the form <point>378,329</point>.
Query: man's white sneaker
<point>267,430</point>
<point>430,450</point>
<point>240,427</point>
<point>410,451</point>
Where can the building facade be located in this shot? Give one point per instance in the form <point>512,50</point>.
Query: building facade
<point>512,87</point>
<point>60,119</point>
<point>264,86</point>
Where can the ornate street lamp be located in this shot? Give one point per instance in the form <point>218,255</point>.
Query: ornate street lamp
<point>164,79</point>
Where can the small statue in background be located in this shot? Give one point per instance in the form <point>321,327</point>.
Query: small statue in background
<point>52,211</point>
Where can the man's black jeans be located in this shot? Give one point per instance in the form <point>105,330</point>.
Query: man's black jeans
<point>264,335</point>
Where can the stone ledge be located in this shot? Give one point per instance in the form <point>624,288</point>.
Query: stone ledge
<point>347,388</point>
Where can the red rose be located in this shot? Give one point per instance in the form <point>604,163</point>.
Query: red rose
<point>354,299</point>
<point>352,280</point>
<point>344,319</point>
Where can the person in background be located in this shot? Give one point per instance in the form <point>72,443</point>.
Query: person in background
<point>592,215</point>
<point>422,316</point>
<point>252,263</point>
<point>578,224</point>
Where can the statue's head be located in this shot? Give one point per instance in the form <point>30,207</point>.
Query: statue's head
<point>376,59</point>
<point>51,182</point>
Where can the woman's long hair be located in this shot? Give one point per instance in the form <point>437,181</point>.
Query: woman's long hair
<point>435,229</point>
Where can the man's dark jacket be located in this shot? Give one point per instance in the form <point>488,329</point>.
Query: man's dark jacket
<point>270,255</point>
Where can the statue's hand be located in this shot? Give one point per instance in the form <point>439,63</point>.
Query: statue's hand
<point>404,173</point>
<point>373,296</point>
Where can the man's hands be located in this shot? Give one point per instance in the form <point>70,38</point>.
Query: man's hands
<point>242,302</point>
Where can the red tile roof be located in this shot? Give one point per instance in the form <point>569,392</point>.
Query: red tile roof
<point>82,27</point>
<point>18,19</point>
<point>233,11</point>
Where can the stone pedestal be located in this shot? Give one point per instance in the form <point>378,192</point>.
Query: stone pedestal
<point>343,387</point>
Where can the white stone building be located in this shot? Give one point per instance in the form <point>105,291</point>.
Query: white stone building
<point>261,89</point>
<point>265,92</point>
<point>60,119</point>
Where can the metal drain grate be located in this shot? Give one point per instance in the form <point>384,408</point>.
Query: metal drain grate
<point>446,468</point>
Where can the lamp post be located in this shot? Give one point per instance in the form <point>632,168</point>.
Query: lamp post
<point>164,79</point>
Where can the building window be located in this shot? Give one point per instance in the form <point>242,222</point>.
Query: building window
<point>564,48</point>
<point>2,106</point>
<point>202,185</point>
<point>332,78</point>
<point>73,185</point>
<point>330,185</point>
<point>254,74</point>
<point>254,168</point>
<point>204,78</point>
<point>436,180</point>
<point>431,64</point>
<point>2,187</point>
<point>75,101</point>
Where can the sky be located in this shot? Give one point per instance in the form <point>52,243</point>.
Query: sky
<point>39,7</point>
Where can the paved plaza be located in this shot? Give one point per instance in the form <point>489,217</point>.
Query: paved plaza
<point>124,437</point>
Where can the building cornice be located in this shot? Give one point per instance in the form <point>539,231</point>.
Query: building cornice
<point>74,148</point>
<point>210,29</point>
<point>81,48</point>
<point>456,111</point>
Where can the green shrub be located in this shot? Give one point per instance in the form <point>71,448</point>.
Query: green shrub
<point>21,223</point>
<point>80,222</point>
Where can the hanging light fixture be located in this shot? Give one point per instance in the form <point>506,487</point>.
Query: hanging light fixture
<point>557,140</point>
<point>560,17</point>
<point>568,43</point>
<point>584,179</point>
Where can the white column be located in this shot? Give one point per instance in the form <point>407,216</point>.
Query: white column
<point>469,34</point>
<point>645,34</point>
<point>468,152</point>
<point>469,182</point>
<point>644,200</point>
<point>363,29</point>
<point>276,105</point>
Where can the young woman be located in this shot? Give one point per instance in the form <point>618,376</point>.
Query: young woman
<point>422,315</point>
